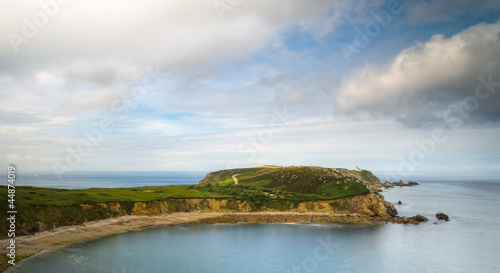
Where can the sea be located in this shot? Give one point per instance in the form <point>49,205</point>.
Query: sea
<point>469,242</point>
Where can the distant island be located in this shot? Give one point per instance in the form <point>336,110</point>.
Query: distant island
<point>261,194</point>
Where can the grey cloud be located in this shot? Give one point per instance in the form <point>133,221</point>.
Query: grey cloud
<point>432,82</point>
<point>446,10</point>
<point>16,118</point>
<point>100,76</point>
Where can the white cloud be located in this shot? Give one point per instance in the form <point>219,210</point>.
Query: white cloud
<point>180,33</point>
<point>90,53</point>
<point>426,79</point>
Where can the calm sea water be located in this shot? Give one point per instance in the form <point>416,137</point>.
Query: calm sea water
<point>470,242</point>
<point>79,180</point>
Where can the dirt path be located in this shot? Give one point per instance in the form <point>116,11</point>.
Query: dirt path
<point>235,179</point>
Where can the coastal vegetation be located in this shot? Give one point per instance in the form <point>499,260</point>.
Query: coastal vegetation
<point>258,189</point>
<point>293,183</point>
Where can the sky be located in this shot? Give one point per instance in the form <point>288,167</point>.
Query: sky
<point>402,88</point>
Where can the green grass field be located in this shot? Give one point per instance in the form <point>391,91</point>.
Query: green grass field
<point>26,196</point>
<point>304,183</point>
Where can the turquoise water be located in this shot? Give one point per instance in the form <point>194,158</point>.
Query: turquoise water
<point>470,242</point>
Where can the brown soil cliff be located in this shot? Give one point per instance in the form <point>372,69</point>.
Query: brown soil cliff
<point>371,204</point>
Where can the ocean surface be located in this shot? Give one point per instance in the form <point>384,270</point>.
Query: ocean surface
<point>84,180</point>
<point>470,242</point>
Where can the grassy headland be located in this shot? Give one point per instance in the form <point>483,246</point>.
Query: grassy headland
<point>293,183</point>
<point>275,188</point>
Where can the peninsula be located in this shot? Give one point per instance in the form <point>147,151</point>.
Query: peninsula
<point>49,217</point>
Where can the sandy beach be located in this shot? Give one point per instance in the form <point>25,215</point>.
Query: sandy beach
<point>32,244</point>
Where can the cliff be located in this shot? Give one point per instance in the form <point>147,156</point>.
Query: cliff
<point>49,217</point>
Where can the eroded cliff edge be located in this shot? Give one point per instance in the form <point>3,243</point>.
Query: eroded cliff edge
<point>50,217</point>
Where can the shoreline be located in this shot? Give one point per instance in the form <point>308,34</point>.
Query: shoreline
<point>291,217</point>
<point>30,245</point>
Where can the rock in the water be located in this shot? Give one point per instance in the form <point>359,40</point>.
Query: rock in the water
<point>401,183</point>
<point>411,183</point>
<point>442,216</point>
<point>435,223</point>
<point>419,218</point>
<point>388,184</point>
<point>399,202</point>
<point>406,220</point>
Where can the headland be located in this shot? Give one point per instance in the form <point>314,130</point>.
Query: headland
<point>268,194</point>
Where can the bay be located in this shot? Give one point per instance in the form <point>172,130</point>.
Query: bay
<point>470,242</point>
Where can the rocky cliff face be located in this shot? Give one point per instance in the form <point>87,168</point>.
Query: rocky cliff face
<point>368,204</point>
<point>49,217</point>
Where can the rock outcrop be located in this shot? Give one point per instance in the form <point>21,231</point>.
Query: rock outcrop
<point>388,184</point>
<point>377,187</point>
<point>420,218</point>
<point>411,220</point>
<point>390,209</point>
<point>402,184</point>
<point>442,216</point>
<point>405,220</point>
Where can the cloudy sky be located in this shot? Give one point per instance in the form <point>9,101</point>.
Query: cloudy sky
<point>402,88</point>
